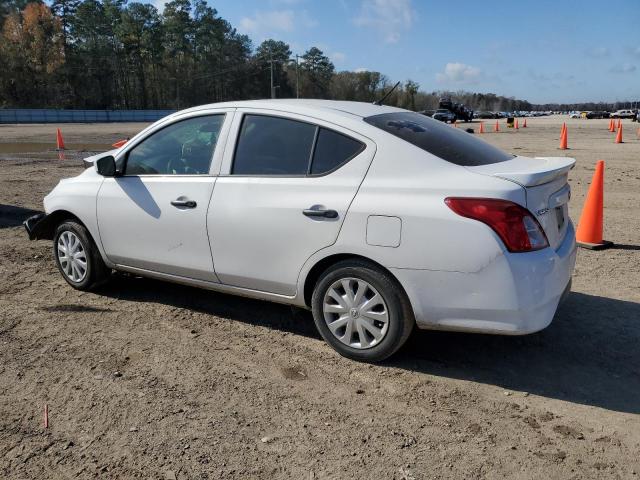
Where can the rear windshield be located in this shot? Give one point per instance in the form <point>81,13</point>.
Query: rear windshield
<point>451,144</point>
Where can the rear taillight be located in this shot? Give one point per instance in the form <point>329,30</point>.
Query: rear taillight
<point>515,225</point>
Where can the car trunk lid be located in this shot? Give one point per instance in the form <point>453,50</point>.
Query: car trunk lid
<point>545,181</point>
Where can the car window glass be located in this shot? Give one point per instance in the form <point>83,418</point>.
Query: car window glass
<point>182,148</point>
<point>273,146</point>
<point>451,144</point>
<point>332,150</point>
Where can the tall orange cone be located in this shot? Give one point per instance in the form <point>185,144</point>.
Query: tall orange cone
<point>482,127</point>
<point>59,140</point>
<point>612,127</point>
<point>563,138</point>
<point>497,127</point>
<point>638,133</point>
<point>589,234</point>
<point>619,135</point>
<point>455,123</point>
<point>619,123</point>
<point>524,124</point>
<point>516,124</point>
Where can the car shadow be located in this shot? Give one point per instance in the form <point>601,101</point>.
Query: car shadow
<point>12,216</point>
<point>589,355</point>
<point>255,312</point>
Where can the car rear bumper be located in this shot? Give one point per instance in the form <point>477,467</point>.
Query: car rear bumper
<point>515,294</point>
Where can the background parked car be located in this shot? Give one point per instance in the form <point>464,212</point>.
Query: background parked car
<point>444,115</point>
<point>623,114</point>
<point>598,114</point>
<point>485,114</point>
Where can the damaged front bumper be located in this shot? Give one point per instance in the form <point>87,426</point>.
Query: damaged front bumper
<point>38,226</point>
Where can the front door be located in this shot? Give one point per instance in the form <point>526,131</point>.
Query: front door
<point>154,215</point>
<point>283,197</point>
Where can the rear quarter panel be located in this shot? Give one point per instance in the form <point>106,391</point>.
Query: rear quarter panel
<point>406,182</point>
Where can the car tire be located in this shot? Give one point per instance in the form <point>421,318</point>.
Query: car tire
<point>77,257</point>
<point>386,321</point>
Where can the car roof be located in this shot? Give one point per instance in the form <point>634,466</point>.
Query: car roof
<point>293,105</point>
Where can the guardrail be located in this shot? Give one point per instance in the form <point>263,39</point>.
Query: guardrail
<point>40,115</point>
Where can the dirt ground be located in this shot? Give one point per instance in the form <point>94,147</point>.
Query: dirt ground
<point>151,380</point>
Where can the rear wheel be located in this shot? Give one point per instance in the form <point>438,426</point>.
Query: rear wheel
<point>77,256</point>
<point>361,311</point>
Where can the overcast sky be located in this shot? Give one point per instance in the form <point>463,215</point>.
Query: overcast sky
<point>538,50</point>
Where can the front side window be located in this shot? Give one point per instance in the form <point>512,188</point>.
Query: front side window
<point>280,146</point>
<point>182,148</point>
<point>451,144</point>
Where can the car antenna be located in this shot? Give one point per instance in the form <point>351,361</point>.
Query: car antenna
<point>379,102</point>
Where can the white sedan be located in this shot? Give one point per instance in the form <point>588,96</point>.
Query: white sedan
<point>376,218</point>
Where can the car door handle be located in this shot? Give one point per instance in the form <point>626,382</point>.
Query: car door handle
<point>310,212</point>
<point>184,203</point>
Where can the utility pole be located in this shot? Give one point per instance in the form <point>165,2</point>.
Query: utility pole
<point>297,78</point>
<point>273,89</point>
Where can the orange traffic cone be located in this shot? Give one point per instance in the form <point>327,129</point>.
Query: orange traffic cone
<point>120,143</point>
<point>482,127</point>
<point>638,133</point>
<point>619,123</point>
<point>589,234</point>
<point>516,124</point>
<point>455,123</point>
<point>563,137</point>
<point>612,127</point>
<point>619,135</point>
<point>59,140</point>
<point>524,124</point>
<point>497,127</point>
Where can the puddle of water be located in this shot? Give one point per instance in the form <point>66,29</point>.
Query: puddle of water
<point>47,147</point>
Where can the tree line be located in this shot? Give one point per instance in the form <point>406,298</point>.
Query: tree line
<point>110,54</point>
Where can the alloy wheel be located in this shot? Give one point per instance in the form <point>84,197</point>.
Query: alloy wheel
<point>72,256</point>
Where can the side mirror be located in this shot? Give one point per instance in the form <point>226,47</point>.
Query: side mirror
<point>106,166</point>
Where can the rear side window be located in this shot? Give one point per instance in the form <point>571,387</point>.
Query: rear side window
<point>451,144</point>
<point>273,146</point>
<point>332,150</point>
<point>280,146</point>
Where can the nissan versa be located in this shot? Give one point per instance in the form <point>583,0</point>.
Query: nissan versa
<point>376,218</point>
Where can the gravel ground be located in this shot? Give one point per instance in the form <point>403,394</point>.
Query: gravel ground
<point>151,380</point>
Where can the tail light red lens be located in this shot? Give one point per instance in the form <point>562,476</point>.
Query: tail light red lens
<point>515,225</point>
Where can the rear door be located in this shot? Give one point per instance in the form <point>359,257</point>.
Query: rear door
<point>282,194</point>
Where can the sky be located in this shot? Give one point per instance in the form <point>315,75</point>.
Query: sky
<point>537,50</point>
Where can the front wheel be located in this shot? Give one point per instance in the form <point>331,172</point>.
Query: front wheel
<point>361,311</point>
<point>77,256</point>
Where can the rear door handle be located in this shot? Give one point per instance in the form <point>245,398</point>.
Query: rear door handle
<point>184,203</point>
<point>310,212</point>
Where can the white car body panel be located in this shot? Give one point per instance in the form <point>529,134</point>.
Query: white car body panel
<point>248,235</point>
<point>158,236</point>
<point>261,216</point>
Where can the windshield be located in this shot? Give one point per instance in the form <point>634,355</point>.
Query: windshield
<point>451,144</point>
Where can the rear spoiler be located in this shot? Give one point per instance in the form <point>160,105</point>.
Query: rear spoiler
<point>528,172</point>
